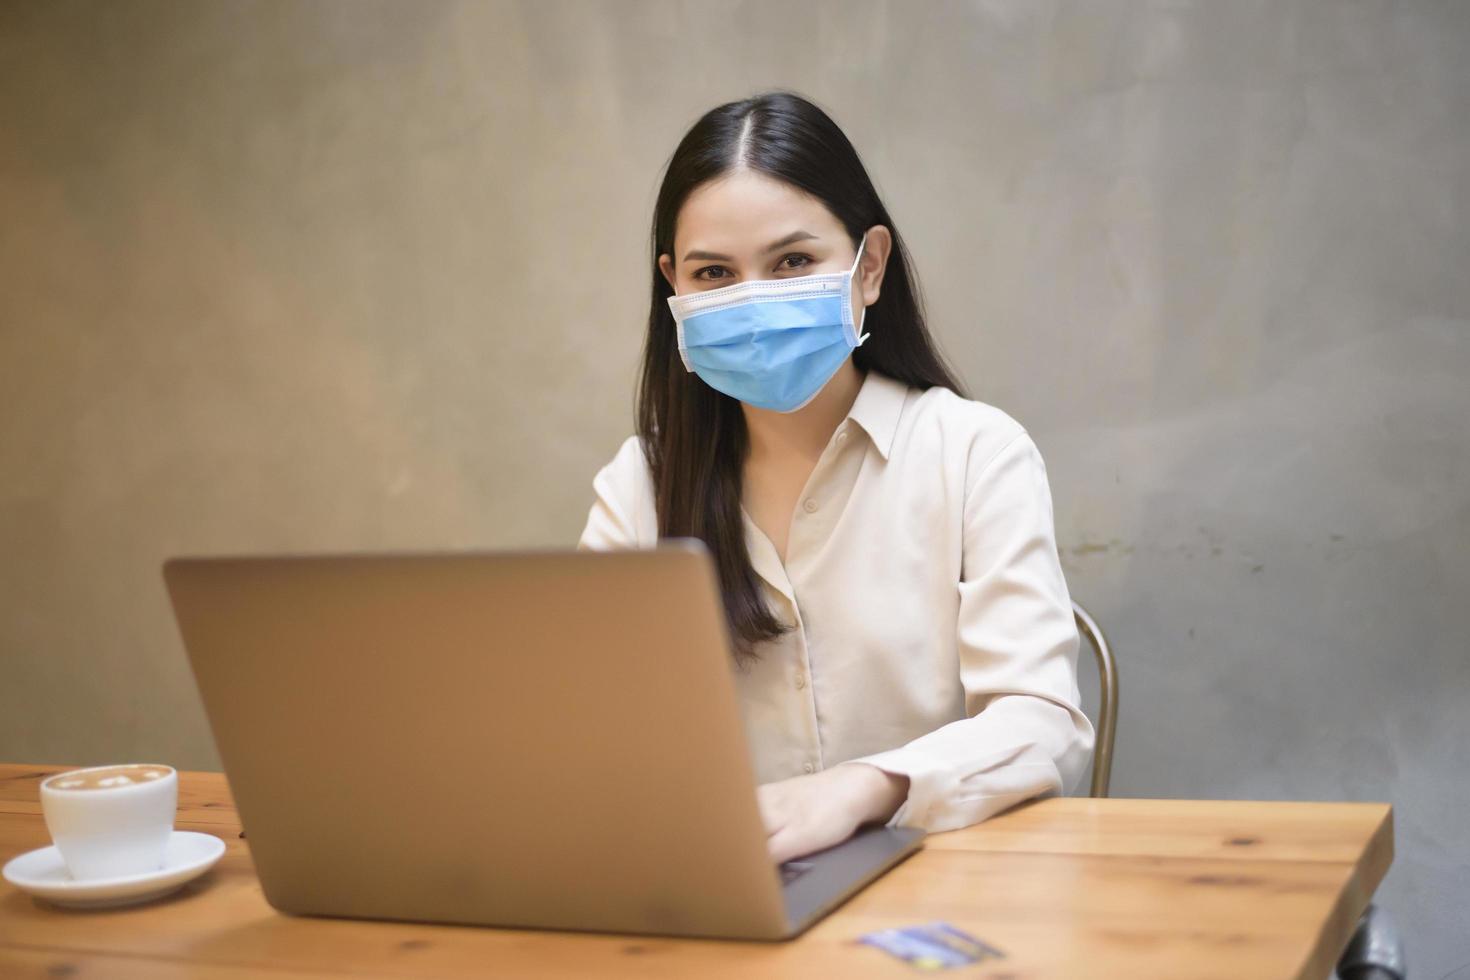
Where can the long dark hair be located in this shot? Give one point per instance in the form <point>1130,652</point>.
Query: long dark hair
<point>693,436</point>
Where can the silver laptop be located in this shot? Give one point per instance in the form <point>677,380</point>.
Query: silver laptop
<point>536,739</point>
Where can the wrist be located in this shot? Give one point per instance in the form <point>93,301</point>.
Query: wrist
<point>880,793</point>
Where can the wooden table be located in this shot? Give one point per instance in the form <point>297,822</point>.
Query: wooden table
<point>1073,888</point>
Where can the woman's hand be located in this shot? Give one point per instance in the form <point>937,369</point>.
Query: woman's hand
<point>808,813</point>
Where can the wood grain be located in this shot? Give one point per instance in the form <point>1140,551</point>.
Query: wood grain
<point>1065,887</point>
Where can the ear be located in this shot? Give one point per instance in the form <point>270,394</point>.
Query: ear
<point>876,250</point>
<point>666,266</point>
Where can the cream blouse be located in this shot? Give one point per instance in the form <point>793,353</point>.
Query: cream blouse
<point>934,633</point>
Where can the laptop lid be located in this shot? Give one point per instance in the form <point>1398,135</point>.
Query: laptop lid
<point>531,739</point>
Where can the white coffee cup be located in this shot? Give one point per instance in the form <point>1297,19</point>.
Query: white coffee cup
<point>111,821</point>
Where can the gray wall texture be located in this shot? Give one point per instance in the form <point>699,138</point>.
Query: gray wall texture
<point>280,276</point>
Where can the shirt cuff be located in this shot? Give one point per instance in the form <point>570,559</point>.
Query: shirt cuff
<point>927,783</point>
<point>942,797</point>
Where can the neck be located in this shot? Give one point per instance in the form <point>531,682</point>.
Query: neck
<point>806,432</point>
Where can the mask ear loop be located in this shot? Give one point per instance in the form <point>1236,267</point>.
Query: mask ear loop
<point>851,278</point>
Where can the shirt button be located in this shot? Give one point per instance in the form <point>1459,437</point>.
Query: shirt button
<point>842,437</point>
<point>800,681</point>
<point>810,506</point>
<point>808,768</point>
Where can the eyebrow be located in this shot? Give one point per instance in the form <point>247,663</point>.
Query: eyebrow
<point>795,236</point>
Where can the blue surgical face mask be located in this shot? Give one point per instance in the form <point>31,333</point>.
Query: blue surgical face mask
<point>771,343</point>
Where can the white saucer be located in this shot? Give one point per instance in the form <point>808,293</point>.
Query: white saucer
<point>42,873</point>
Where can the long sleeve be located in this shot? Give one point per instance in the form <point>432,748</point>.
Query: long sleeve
<point>1025,734</point>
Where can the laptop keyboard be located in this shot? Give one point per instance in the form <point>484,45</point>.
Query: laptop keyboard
<point>792,870</point>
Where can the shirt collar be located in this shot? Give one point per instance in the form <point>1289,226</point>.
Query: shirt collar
<point>877,407</point>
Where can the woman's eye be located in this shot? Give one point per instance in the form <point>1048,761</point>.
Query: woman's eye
<point>712,273</point>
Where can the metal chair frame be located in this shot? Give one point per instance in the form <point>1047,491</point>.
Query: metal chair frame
<point>1107,680</point>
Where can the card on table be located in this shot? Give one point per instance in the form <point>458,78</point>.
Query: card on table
<point>932,946</point>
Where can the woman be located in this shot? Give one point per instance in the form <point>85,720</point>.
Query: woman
<point>905,650</point>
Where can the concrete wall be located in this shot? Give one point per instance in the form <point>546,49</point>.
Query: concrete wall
<point>348,275</point>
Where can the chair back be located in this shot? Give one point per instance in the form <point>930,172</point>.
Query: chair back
<point>1107,683</point>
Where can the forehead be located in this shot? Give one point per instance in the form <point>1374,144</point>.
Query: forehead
<point>747,211</point>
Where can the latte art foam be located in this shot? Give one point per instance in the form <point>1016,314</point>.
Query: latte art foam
<point>111,777</point>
